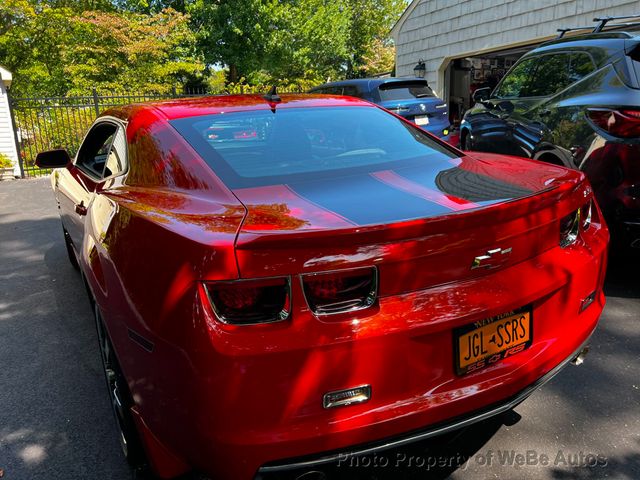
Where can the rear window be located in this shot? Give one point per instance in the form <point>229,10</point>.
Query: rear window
<point>404,91</point>
<point>257,148</point>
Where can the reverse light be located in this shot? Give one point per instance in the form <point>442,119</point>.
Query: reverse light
<point>623,123</point>
<point>572,224</point>
<point>248,302</point>
<point>341,291</point>
<point>569,228</point>
<point>585,215</point>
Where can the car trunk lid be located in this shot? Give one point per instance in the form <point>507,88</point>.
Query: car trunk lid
<point>419,226</point>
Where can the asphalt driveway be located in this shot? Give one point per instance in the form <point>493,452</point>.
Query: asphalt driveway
<point>55,421</point>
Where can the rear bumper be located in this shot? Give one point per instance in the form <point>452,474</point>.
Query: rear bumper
<point>304,464</point>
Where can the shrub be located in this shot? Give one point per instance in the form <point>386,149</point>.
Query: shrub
<point>5,161</point>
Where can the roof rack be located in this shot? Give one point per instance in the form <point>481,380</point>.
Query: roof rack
<point>602,22</point>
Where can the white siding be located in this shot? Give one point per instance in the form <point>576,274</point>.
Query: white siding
<point>7,139</point>
<point>437,30</point>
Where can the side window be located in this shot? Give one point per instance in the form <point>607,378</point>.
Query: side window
<point>116,158</point>
<point>102,152</point>
<point>550,76</point>
<point>580,66</point>
<point>514,84</point>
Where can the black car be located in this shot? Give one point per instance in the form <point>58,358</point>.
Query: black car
<point>411,98</point>
<point>573,102</point>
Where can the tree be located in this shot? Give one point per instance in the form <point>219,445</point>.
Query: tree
<point>56,50</point>
<point>30,46</point>
<point>129,51</point>
<point>370,23</point>
<point>295,39</point>
<point>272,39</point>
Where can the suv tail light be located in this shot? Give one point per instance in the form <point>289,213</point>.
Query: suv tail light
<point>341,291</point>
<point>247,302</point>
<point>619,123</point>
<point>572,224</point>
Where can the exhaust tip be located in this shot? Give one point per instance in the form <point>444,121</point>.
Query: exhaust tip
<point>579,359</point>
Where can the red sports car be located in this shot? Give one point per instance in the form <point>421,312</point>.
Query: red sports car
<point>280,282</point>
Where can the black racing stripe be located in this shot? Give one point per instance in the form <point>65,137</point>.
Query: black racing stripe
<point>367,201</point>
<point>477,188</point>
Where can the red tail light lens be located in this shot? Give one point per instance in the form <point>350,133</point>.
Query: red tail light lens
<point>246,302</point>
<point>619,123</point>
<point>342,291</point>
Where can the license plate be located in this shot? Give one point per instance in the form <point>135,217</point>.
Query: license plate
<point>488,341</point>
<point>421,120</point>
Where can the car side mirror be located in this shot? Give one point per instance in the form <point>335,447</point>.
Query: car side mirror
<point>53,159</point>
<point>481,95</point>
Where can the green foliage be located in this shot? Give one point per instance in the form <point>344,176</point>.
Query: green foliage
<point>131,52</point>
<point>5,161</point>
<point>58,51</point>
<point>289,40</point>
<point>65,47</point>
<point>370,22</point>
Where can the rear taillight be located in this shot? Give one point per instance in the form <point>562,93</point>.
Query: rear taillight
<point>572,224</point>
<point>619,123</point>
<point>246,302</point>
<point>341,291</point>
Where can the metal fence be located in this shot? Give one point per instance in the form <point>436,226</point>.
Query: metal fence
<point>46,123</point>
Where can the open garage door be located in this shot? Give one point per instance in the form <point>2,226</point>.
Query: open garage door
<point>465,75</point>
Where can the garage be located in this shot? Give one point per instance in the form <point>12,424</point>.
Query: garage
<point>463,76</point>
<point>462,45</point>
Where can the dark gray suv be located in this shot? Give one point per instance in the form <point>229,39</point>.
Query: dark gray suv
<point>573,102</point>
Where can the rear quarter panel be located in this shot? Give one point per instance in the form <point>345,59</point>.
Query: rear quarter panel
<point>146,248</point>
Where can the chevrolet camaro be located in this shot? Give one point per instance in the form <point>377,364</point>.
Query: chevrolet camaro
<point>278,282</point>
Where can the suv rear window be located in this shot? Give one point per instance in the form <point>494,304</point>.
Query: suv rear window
<point>404,91</point>
<point>256,148</point>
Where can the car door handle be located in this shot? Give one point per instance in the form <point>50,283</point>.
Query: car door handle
<point>81,209</point>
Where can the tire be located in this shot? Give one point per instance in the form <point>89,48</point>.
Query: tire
<point>70,252</point>
<point>121,400</point>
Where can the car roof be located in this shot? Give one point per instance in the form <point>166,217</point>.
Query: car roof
<point>369,82</point>
<point>210,105</point>
<point>602,46</point>
<point>607,40</point>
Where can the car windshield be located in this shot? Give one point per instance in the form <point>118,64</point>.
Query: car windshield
<point>257,148</point>
<point>404,91</point>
